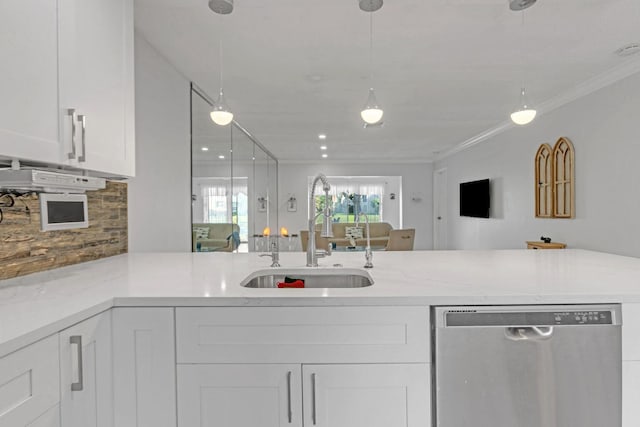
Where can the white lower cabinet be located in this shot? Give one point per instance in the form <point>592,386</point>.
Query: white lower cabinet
<point>630,394</point>
<point>51,418</point>
<point>144,367</point>
<point>239,395</point>
<point>86,373</point>
<point>30,385</point>
<point>630,365</point>
<point>366,395</point>
<point>271,395</point>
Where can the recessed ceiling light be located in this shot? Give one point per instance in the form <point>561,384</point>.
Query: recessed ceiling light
<point>323,147</point>
<point>322,136</point>
<point>205,148</point>
<point>325,155</point>
<point>221,156</point>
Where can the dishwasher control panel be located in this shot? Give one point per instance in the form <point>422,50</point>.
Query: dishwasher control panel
<point>582,318</point>
<point>529,318</point>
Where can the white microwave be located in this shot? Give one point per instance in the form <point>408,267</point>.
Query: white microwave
<point>63,211</point>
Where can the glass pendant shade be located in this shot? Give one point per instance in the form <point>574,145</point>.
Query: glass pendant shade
<point>223,7</point>
<point>370,5</point>
<point>523,114</point>
<point>221,114</point>
<point>371,113</point>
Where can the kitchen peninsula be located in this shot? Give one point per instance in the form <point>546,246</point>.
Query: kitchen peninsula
<point>186,316</point>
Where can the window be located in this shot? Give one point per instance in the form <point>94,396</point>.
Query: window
<point>369,195</point>
<point>215,202</point>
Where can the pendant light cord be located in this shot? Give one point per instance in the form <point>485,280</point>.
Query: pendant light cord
<point>220,59</point>
<point>522,55</point>
<point>371,48</point>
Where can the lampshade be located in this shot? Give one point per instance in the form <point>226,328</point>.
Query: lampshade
<point>518,5</point>
<point>223,7</point>
<point>523,114</point>
<point>371,113</point>
<point>370,5</point>
<point>523,117</point>
<point>221,114</point>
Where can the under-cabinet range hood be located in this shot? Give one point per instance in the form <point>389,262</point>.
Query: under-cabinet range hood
<point>41,181</point>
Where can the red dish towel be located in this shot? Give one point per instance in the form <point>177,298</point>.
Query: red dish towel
<point>296,284</point>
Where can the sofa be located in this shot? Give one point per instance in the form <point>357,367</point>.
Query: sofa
<point>379,234</point>
<point>214,237</point>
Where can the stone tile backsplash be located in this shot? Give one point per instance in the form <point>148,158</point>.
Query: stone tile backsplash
<point>25,249</point>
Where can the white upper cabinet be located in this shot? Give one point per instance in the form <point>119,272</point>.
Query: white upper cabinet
<point>67,83</point>
<point>97,84</point>
<point>29,80</point>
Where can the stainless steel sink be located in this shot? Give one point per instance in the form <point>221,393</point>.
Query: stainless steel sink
<point>313,278</point>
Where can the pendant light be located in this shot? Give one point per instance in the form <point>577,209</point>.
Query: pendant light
<point>372,112</point>
<point>523,114</point>
<point>370,5</point>
<point>518,5</point>
<point>223,7</point>
<point>221,114</point>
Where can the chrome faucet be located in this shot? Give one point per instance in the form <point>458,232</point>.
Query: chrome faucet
<point>312,253</point>
<point>368,254</point>
<point>275,255</point>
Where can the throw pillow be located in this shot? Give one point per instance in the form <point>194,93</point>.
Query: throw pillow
<point>353,232</point>
<point>201,232</point>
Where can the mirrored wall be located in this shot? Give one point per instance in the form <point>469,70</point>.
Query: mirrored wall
<point>234,185</point>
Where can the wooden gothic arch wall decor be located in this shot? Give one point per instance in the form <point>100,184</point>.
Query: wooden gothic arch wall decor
<point>563,177</point>
<point>544,181</point>
<point>555,180</point>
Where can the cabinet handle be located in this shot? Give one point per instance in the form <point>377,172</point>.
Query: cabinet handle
<point>77,340</point>
<point>82,119</point>
<point>313,399</point>
<point>72,112</point>
<point>289,410</point>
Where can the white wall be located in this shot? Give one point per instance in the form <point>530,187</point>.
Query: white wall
<point>416,184</point>
<point>159,195</point>
<point>605,131</point>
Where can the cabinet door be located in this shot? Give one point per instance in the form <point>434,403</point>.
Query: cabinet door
<point>630,394</point>
<point>86,373</point>
<point>29,80</point>
<point>29,383</point>
<point>144,367</point>
<point>51,418</point>
<point>239,395</point>
<point>96,79</point>
<point>366,395</point>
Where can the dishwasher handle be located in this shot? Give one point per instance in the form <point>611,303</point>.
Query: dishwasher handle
<point>528,333</point>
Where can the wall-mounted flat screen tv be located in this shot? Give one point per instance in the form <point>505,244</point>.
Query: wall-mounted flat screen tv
<point>475,200</point>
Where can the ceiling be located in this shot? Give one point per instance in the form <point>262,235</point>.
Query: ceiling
<point>445,70</point>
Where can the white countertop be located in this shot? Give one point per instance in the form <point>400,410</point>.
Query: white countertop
<point>34,306</point>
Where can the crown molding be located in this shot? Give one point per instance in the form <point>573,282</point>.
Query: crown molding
<point>371,161</point>
<point>609,77</point>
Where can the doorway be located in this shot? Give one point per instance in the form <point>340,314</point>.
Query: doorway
<point>440,209</point>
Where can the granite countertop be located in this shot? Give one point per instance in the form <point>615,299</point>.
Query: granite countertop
<point>34,306</point>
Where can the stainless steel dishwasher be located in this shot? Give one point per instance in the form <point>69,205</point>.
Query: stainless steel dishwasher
<point>528,366</point>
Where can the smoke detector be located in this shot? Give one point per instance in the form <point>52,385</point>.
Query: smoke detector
<point>518,5</point>
<point>223,7</point>
<point>628,50</point>
<point>370,5</point>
